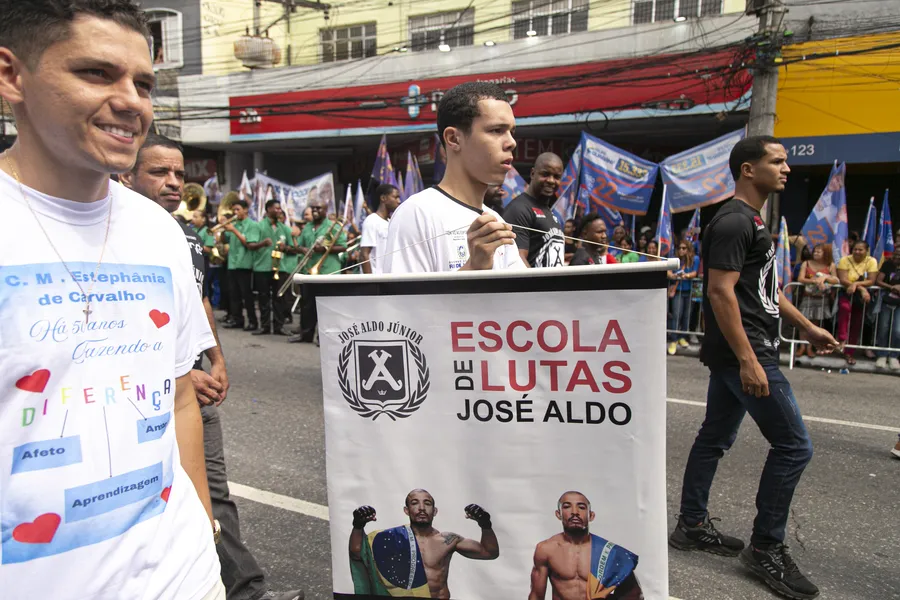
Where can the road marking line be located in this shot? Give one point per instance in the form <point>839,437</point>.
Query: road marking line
<point>810,419</point>
<point>277,500</point>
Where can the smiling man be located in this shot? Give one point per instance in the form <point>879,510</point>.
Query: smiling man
<point>413,560</point>
<point>545,245</point>
<point>447,227</point>
<point>115,390</point>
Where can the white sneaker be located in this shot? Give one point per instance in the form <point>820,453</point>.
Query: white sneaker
<point>894,364</point>
<point>881,363</point>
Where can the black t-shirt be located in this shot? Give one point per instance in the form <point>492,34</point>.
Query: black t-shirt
<point>583,257</point>
<point>544,249</point>
<point>738,240</point>
<point>891,277</point>
<point>197,258</point>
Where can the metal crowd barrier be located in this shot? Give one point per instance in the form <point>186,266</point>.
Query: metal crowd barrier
<point>695,307</point>
<point>869,320</point>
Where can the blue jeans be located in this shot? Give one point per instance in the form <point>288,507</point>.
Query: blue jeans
<point>680,310</point>
<point>779,420</point>
<point>888,325</point>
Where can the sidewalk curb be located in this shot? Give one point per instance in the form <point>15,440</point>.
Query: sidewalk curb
<point>831,363</point>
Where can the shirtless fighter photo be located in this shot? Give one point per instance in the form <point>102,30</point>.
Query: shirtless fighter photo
<point>413,561</point>
<point>579,564</point>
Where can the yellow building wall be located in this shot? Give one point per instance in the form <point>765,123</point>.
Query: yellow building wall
<point>224,21</point>
<point>842,95</point>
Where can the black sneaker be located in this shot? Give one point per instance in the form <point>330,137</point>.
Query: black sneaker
<point>705,537</point>
<point>776,567</point>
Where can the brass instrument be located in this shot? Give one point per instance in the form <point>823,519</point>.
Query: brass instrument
<point>328,244</point>
<point>277,255</point>
<point>224,216</point>
<point>221,226</point>
<point>193,198</point>
<point>309,252</point>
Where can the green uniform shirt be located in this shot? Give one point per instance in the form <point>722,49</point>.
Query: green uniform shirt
<point>262,262</point>
<point>239,257</point>
<point>206,237</point>
<point>308,238</point>
<point>289,261</point>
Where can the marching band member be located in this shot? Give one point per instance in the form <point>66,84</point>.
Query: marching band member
<point>447,227</point>
<point>243,240</point>
<point>275,236</point>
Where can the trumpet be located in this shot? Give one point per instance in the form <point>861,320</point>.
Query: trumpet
<point>309,252</point>
<point>328,244</point>
<point>221,226</point>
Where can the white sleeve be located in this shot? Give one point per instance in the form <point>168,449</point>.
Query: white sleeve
<point>369,233</point>
<point>194,335</point>
<point>405,251</point>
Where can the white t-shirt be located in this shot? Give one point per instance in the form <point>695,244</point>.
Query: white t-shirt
<point>374,236</point>
<point>443,222</point>
<point>94,503</point>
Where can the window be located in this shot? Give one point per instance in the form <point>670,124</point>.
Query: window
<point>455,28</point>
<point>165,38</point>
<point>548,17</point>
<point>656,11</point>
<point>342,43</point>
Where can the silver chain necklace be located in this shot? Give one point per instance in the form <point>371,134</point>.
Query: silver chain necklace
<point>86,295</point>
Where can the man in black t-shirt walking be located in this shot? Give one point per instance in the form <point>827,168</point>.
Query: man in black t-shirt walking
<point>742,304</point>
<point>545,247</point>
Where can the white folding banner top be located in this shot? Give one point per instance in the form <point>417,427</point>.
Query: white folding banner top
<point>493,435</point>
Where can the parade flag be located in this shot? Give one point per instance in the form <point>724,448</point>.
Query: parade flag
<point>513,186</point>
<point>693,228</point>
<point>664,228</point>
<point>869,228</point>
<point>398,177</point>
<point>783,258</point>
<point>420,183</point>
<point>610,216</point>
<point>348,207</point>
<point>411,184</point>
<point>827,223</point>
<point>440,162</point>
<point>359,209</point>
<point>383,171</point>
<point>212,190</point>
<point>700,176</point>
<point>884,247</point>
<point>458,403</point>
<point>245,191</point>
<point>564,207</point>
<point>614,178</point>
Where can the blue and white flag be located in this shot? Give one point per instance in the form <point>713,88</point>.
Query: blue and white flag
<point>614,178</point>
<point>359,210</point>
<point>440,163</point>
<point>869,229</point>
<point>783,258</point>
<point>410,184</point>
<point>383,171</point>
<point>513,186</point>
<point>349,212</point>
<point>700,176</point>
<point>564,207</point>
<point>664,228</point>
<point>884,247</point>
<point>827,223</point>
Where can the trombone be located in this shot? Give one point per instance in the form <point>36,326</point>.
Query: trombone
<point>322,239</point>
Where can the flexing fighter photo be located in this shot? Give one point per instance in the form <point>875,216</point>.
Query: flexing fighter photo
<point>579,564</point>
<point>413,560</point>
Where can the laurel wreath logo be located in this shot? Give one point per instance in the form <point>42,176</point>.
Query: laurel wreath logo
<point>375,410</point>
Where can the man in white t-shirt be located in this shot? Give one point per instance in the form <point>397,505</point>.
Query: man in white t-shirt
<point>375,228</point>
<point>104,485</point>
<point>447,227</point>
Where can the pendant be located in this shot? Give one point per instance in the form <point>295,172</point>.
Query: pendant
<point>87,313</point>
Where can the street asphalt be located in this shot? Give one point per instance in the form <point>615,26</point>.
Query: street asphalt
<point>845,524</point>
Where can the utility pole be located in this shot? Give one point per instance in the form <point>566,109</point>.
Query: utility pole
<point>290,7</point>
<point>765,80</point>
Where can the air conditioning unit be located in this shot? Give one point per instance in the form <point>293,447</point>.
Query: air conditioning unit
<point>754,7</point>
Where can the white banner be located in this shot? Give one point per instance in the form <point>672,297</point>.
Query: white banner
<point>297,195</point>
<point>532,410</point>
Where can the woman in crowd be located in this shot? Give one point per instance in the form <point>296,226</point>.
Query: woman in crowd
<point>856,273</point>
<point>816,273</point>
<point>618,235</point>
<point>627,255</point>
<point>652,249</point>
<point>889,320</point>
<point>680,294</point>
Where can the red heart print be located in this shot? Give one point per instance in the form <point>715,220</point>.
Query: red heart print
<point>39,531</point>
<point>160,319</point>
<point>36,382</point>
<point>165,494</point>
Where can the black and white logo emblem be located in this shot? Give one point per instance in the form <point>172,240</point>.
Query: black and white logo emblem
<point>383,377</point>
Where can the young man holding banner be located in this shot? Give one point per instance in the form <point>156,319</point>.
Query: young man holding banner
<point>743,303</point>
<point>447,227</point>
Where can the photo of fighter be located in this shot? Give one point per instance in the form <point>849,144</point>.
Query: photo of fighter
<point>413,561</point>
<point>579,564</point>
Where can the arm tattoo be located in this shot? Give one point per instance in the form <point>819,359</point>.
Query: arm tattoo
<point>451,538</point>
